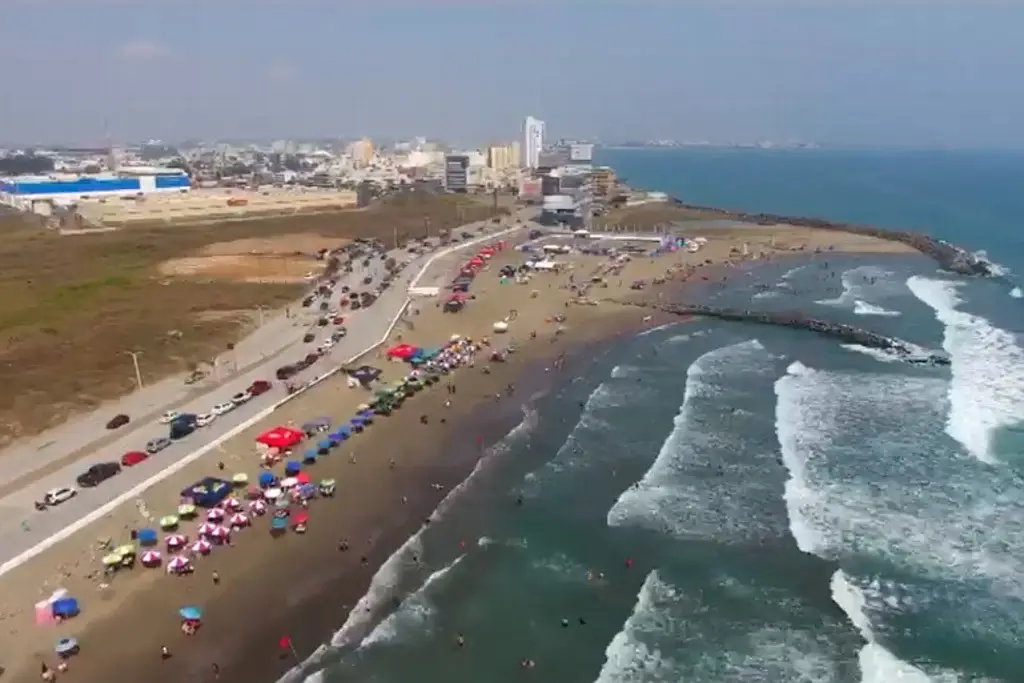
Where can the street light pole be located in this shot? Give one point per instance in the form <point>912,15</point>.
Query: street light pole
<point>135,361</point>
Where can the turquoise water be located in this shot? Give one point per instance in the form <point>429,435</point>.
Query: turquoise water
<point>725,502</point>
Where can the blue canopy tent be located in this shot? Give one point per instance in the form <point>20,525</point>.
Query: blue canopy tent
<point>190,613</point>
<point>65,608</point>
<point>309,456</point>
<point>344,432</point>
<point>279,524</point>
<point>146,536</point>
<point>266,479</point>
<point>292,467</point>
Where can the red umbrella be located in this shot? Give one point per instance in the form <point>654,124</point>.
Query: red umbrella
<point>302,478</point>
<point>300,518</point>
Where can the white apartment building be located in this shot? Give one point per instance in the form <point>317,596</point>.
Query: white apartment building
<point>533,131</point>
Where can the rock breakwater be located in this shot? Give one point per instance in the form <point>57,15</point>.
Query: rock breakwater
<point>794,319</point>
<point>949,256</point>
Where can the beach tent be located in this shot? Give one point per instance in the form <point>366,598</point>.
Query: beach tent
<point>401,351</point>
<point>281,437</point>
<point>146,536</point>
<point>292,467</point>
<point>207,492</point>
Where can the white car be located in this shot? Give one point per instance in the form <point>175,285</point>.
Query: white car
<point>241,397</point>
<point>204,419</point>
<point>58,496</point>
<point>222,408</point>
<point>327,345</point>
<point>169,417</point>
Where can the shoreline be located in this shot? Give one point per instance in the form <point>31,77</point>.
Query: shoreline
<point>303,587</point>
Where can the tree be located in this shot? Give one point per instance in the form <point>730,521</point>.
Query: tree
<point>25,164</point>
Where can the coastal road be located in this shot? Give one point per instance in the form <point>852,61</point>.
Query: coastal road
<point>22,527</point>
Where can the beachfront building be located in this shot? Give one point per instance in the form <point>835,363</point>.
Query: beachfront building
<point>533,134</point>
<point>40,194</point>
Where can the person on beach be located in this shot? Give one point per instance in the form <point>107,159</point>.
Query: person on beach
<point>460,640</point>
<point>216,577</point>
<point>46,673</point>
<point>165,654</point>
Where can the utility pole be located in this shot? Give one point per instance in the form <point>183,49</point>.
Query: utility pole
<point>396,236</point>
<point>135,361</point>
<point>426,226</point>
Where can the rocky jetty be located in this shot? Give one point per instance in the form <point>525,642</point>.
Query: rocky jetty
<point>844,333</point>
<point>949,256</point>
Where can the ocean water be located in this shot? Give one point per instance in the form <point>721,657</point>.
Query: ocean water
<point>722,502</point>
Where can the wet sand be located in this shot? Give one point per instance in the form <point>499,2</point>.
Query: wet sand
<point>303,586</point>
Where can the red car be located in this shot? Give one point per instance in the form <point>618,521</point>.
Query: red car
<point>260,386</point>
<point>339,320</point>
<point>133,458</point>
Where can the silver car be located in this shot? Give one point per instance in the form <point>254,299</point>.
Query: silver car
<point>157,445</point>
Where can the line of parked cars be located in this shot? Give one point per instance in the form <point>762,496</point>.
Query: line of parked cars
<point>179,425</point>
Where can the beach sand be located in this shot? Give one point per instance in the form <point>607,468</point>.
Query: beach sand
<point>303,586</point>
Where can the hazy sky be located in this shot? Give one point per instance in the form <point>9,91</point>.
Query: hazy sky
<point>862,72</point>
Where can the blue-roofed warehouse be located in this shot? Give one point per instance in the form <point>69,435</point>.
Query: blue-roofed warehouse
<point>39,193</point>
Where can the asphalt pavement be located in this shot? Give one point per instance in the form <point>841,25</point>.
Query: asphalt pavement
<point>365,328</point>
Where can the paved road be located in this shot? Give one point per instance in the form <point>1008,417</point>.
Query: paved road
<point>365,327</point>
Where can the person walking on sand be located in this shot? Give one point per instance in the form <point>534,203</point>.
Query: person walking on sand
<point>216,577</point>
<point>165,654</point>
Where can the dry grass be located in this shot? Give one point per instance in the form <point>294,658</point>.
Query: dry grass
<point>70,306</point>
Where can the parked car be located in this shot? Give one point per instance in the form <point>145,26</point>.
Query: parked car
<point>205,419</point>
<point>132,458</point>
<point>339,320</point>
<point>118,421</point>
<point>260,386</point>
<point>223,408</point>
<point>154,446</point>
<point>241,397</point>
<point>169,417</point>
<point>284,372</point>
<point>308,337</point>
<point>97,474</point>
<point>179,430</point>
<point>59,495</point>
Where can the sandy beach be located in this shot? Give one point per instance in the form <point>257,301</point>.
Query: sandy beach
<point>302,587</point>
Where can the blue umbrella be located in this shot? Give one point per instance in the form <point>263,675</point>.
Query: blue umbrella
<point>324,445</point>
<point>357,424</point>
<point>66,646</point>
<point>307,490</point>
<point>310,458</point>
<point>311,453</point>
<point>191,613</point>
<point>334,441</point>
<point>146,536</point>
<point>344,432</point>
<point>65,607</point>
<point>292,467</point>
<point>266,479</point>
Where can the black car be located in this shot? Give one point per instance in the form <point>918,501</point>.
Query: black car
<point>308,337</point>
<point>367,280</point>
<point>97,474</point>
<point>118,421</point>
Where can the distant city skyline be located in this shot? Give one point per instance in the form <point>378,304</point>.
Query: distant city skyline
<point>842,73</point>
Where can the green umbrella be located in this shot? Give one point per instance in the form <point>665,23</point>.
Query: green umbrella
<point>168,522</point>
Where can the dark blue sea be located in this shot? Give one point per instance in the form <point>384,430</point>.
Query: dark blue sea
<point>722,502</point>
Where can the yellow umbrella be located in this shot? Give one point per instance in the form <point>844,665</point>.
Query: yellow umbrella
<point>168,522</point>
<point>241,478</point>
<point>123,550</point>
<point>186,510</point>
<point>112,560</point>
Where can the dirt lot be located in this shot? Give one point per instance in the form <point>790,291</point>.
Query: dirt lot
<point>70,306</point>
<point>648,216</point>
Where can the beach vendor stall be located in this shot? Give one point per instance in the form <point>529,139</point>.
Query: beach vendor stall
<point>281,438</point>
<point>207,492</point>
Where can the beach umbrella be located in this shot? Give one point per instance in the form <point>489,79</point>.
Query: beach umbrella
<point>254,492</point>
<point>231,503</point>
<point>266,479</point>
<point>288,483</point>
<point>187,510</point>
<point>324,445</point>
<point>292,467</point>
<point>111,560</point>
<point>151,558</point>
<point>206,528</point>
<point>175,541</point>
<point>146,536</point>
<point>178,564</point>
<point>258,507</point>
<point>168,522</point>
<point>66,647</point>
<point>279,524</point>
<point>240,479</point>
<point>239,519</point>
<point>307,491</point>
<point>309,457</point>
<point>271,494</point>
<point>221,533</point>
<point>202,547</point>
<point>65,608</point>
<point>190,613</point>
<point>215,515</point>
<point>281,503</point>
<point>302,478</point>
